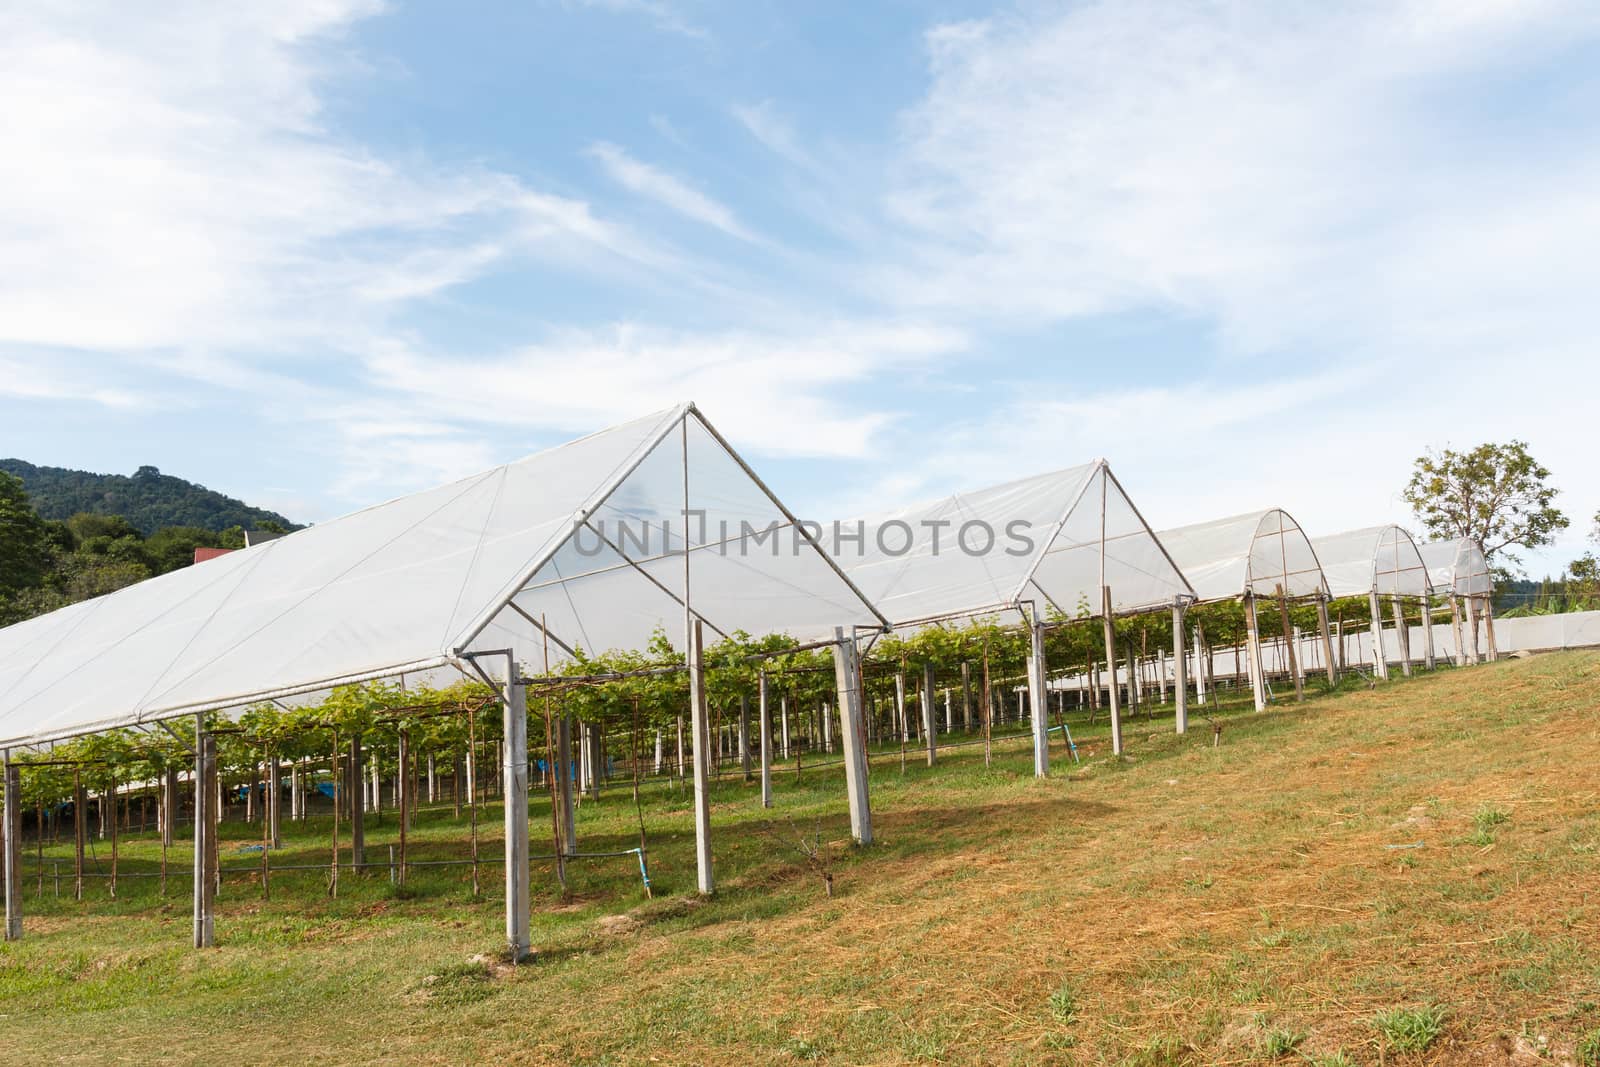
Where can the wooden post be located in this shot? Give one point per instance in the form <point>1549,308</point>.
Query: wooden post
<point>1038,700</point>
<point>514,783</point>
<point>1327,639</point>
<point>13,848</point>
<point>1110,634</point>
<point>930,723</point>
<point>1380,659</point>
<point>1430,658</point>
<point>766,740</point>
<point>1291,642</point>
<point>1472,630</point>
<point>1252,632</point>
<point>847,683</point>
<point>1180,672</point>
<point>705,877</point>
<point>205,830</point>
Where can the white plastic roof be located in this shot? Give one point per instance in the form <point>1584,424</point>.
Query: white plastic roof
<point>1377,558</point>
<point>1457,567</point>
<point>1259,553</point>
<point>425,580</point>
<point>1057,538</point>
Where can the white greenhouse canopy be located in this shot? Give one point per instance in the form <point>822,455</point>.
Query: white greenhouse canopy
<point>587,537</point>
<point>1260,553</point>
<point>1457,568</point>
<point>1381,559</point>
<point>1057,538</point>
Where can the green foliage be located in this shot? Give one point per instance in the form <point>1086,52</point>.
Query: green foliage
<point>25,549</point>
<point>149,500</point>
<point>1410,1029</point>
<point>1281,1042</point>
<point>1064,1004</point>
<point>1588,1050</point>
<point>1496,494</point>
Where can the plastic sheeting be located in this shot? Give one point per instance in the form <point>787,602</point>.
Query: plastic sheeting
<point>1053,539</point>
<point>423,581</point>
<point>1382,559</point>
<point>1262,553</point>
<point>1457,567</point>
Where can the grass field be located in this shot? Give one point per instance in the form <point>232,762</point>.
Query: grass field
<point>1409,874</point>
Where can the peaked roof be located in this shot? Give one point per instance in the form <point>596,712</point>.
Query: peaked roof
<point>1381,559</point>
<point>1053,539</point>
<point>1258,552</point>
<point>588,538</point>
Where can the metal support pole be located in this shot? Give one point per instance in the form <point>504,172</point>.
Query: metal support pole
<point>701,740</point>
<point>744,734</point>
<point>569,815</point>
<point>1402,636</point>
<point>1110,634</point>
<point>966,696</point>
<point>766,741</point>
<point>1037,697</point>
<point>930,723</point>
<point>354,782</point>
<point>205,829</point>
<point>847,681</point>
<point>1199,669</point>
<point>514,782</point>
<point>13,848</point>
<point>1180,672</point>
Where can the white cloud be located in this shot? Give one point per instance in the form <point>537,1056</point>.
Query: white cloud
<point>176,187</point>
<point>663,15</point>
<point>656,184</point>
<point>763,122</point>
<point>779,393</point>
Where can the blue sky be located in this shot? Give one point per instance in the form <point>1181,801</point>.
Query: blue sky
<point>329,251</point>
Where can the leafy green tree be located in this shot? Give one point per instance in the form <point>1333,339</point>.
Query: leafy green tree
<point>25,549</point>
<point>1496,494</point>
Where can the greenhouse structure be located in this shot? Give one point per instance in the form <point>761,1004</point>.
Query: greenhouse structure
<point>655,524</point>
<point>1375,562</point>
<point>1065,545</point>
<point>1250,557</point>
<point>1458,570</point>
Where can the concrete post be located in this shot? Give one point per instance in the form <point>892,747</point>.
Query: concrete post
<point>356,782</point>
<point>569,816</point>
<point>847,680</point>
<point>274,776</point>
<point>13,849</point>
<point>1037,701</point>
<point>783,710</point>
<point>1488,627</point>
<point>1402,635</point>
<point>706,878</point>
<point>1252,628</point>
<point>949,719</point>
<point>930,722</point>
<point>966,696</point>
<point>1429,657</point>
<point>1199,670</point>
<point>900,706</point>
<point>1180,680</point>
<point>1380,660</point>
<point>744,734</point>
<point>514,783</point>
<point>827,728</point>
<point>766,741</point>
<point>1472,631</point>
<point>1327,640</point>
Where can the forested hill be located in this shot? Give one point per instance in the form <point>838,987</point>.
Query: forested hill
<point>149,500</point>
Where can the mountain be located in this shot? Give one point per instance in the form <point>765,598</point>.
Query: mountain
<point>149,500</point>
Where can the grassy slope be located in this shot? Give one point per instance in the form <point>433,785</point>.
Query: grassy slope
<point>1182,906</point>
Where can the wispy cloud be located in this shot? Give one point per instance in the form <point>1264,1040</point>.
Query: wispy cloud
<point>656,184</point>
<point>663,15</point>
<point>763,122</point>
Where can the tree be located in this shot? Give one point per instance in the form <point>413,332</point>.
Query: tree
<point>1496,494</point>
<point>25,549</point>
